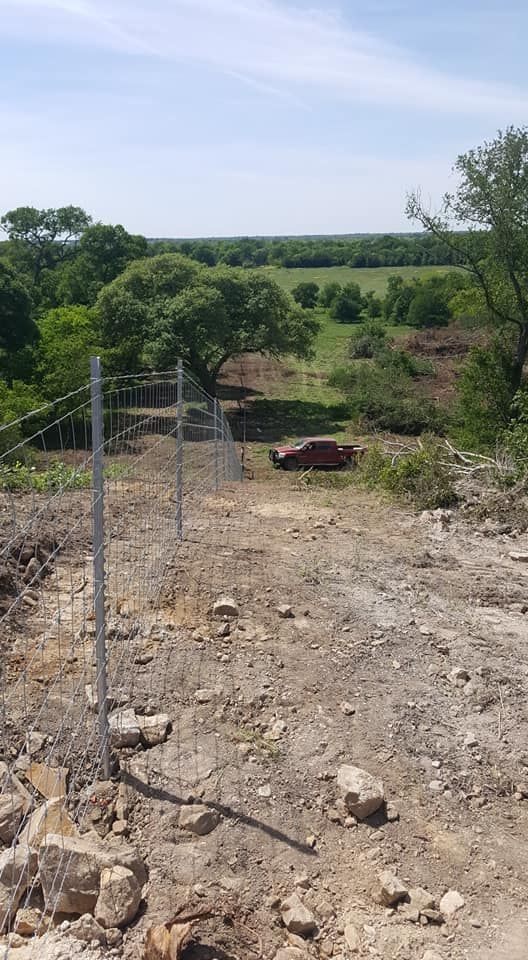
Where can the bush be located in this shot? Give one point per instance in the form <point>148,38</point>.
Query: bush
<point>428,308</point>
<point>419,477</point>
<point>485,395</point>
<point>15,403</point>
<point>306,294</point>
<point>401,361</point>
<point>515,438</point>
<point>365,342</point>
<point>386,399</point>
<point>347,305</point>
<point>328,293</point>
<point>20,477</point>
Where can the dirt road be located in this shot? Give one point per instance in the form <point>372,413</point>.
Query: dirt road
<point>406,656</point>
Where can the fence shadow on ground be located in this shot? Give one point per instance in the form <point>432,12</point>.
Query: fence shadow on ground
<point>158,793</point>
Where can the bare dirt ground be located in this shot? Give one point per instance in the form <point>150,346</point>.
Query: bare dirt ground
<point>387,604</point>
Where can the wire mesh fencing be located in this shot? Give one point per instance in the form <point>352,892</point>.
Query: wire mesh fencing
<point>98,491</point>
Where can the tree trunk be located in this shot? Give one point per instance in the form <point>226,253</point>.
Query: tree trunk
<point>206,377</point>
<point>520,358</point>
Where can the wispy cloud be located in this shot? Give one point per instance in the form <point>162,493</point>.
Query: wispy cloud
<point>298,53</point>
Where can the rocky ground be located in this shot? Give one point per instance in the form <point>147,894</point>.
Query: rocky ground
<point>358,634</point>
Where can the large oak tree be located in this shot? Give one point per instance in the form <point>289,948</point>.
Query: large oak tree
<point>168,307</point>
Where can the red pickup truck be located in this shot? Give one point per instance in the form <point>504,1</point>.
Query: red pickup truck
<point>316,452</point>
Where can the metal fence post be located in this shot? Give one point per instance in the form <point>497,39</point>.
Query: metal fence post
<point>225,451</point>
<point>98,559</point>
<point>179,453</point>
<point>216,450</point>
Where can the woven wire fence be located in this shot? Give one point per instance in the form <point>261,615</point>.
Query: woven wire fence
<point>97,492</point>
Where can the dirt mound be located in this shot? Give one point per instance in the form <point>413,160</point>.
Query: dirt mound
<point>507,509</point>
<point>449,342</point>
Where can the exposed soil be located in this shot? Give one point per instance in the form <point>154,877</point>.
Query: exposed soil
<point>386,605</point>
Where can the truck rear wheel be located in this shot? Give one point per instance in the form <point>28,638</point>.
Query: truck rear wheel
<point>290,463</point>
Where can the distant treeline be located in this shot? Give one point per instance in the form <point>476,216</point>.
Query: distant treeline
<point>412,250</point>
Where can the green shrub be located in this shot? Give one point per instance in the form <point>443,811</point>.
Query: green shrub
<point>20,477</point>
<point>403,362</point>
<point>419,477</point>
<point>485,395</point>
<point>365,342</point>
<point>428,308</point>
<point>386,399</point>
<point>515,438</point>
<point>14,404</point>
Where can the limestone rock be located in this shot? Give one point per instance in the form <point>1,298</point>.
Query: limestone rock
<point>12,809</point>
<point>120,828</point>
<point>87,928</point>
<point>458,676</point>
<point>49,781</point>
<point>154,730</point>
<point>420,899</point>
<point>91,696</point>
<point>290,953</point>
<point>101,807</point>
<point>119,897</point>
<point>10,783</point>
<point>347,709</point>
<point>285,611</point>
<point>204,695</point>
<point>50,817</point>
<point>199,819</point>
<point>362,793</point>
<point>296,917</point>
<point>352,938</point>
<point>114,937</point>
<point>451,902</point>
<point>30,921</point>
<point>225,607</point>
<point>70,869</point>
<point>18,867</point>
<point>390,890</point>
<point>124,729</point>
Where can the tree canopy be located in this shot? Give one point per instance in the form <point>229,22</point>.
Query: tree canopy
<point>490,206</point>
<point>347,304</point>
<point>44,237</point>
<point>69,336</point>
<point>170,307</point>
<point>102,254</point>
<point>17,327</point>
<point>305,294</point>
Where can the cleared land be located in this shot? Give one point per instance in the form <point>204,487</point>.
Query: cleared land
<point>405,656</point>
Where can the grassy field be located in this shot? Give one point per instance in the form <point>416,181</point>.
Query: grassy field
<point>295,398</point>
<point>332,341</point>
<point>369,278</point>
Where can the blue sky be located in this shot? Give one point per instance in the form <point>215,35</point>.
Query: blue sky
<point>227,117</point>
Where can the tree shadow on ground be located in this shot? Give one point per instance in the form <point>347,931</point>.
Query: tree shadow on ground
<point>272,420</point>
<point>232,391</point>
